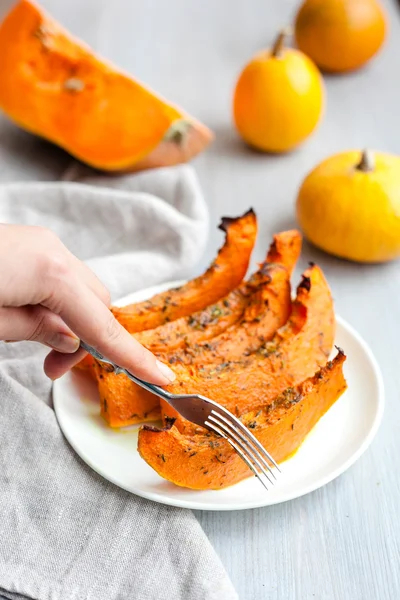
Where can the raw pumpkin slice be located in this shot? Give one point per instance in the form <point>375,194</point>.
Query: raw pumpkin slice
<point>54,86</point>
<point>224,274</point>
<point>123,402</point>
<point>207,462</point>
<point>295,352</point>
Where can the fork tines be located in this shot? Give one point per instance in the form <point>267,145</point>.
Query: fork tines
<point>244,442</point>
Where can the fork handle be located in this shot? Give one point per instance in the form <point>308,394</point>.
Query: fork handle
<point>150,387</point>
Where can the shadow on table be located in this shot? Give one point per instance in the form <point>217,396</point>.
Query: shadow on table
<point>28,155</point>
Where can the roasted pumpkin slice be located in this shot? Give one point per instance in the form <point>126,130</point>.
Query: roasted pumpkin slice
<point>294,353</point>
<point>285,249</point>
<point>54,86</point>
<point>120,403</point>
<point>123,402</point>
<point>206,462</point>
<point>269,309</point>
<point>224,274</point>
<point>214,319</point>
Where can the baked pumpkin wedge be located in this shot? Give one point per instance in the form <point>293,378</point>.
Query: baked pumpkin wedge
<point>285,249</point>
<point>223,275</point>
<point>123,402</point>
<point>204,324</point>
<point>268,299</point>
<point>120,403</point>
<point>54,86</point>
<point>216,318</point>
<point>295,352</point>
<point>207,462</point>
<point>269,309</point>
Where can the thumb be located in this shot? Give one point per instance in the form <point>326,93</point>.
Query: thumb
<point>37,324</point>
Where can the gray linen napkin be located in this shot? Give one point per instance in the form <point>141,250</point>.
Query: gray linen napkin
<point>66,533</point>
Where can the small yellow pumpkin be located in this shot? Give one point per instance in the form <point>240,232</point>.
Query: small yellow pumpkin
<point>349,206</point>
<point>278,99</point>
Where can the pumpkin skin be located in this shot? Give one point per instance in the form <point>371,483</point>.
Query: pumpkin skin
<point>340,35</point>
<point>278,99</point>
<point>349,206</point>
<point>204,461</point>
<point>54,86</point>
<point>124,403</point>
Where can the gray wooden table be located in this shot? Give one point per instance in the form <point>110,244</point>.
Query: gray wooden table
<point>341,541</point>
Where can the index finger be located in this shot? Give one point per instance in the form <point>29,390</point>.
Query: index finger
<point>92,321</point>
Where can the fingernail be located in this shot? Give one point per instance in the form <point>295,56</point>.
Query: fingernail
<point>166,371</point>
<point>64,343</point>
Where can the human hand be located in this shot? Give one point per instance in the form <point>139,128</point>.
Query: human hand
<point>47,295</point>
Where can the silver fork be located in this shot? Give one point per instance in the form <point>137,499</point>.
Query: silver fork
<point>214,417</point>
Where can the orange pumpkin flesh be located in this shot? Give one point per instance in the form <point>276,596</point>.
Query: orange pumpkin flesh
<point>295,352</point>
<point>225,273</point>
<point>216,318</point>
<point>221,372</point>
<point>268,310</point>
<point>285,249</point>
<point>54,86</point>
<point>123,402</point>
<point>205,461</point>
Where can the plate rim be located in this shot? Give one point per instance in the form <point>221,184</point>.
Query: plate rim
<point>203,506</point>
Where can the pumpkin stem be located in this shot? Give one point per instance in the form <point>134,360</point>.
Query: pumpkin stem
<point>278,46</point>
<point>367,162</point>
<point>177,132</point>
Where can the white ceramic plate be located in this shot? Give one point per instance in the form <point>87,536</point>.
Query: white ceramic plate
<point>337,441</point>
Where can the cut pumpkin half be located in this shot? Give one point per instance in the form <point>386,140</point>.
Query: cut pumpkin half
<point>54,86</point>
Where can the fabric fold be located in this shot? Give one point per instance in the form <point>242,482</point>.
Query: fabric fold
<point>66,533</point>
